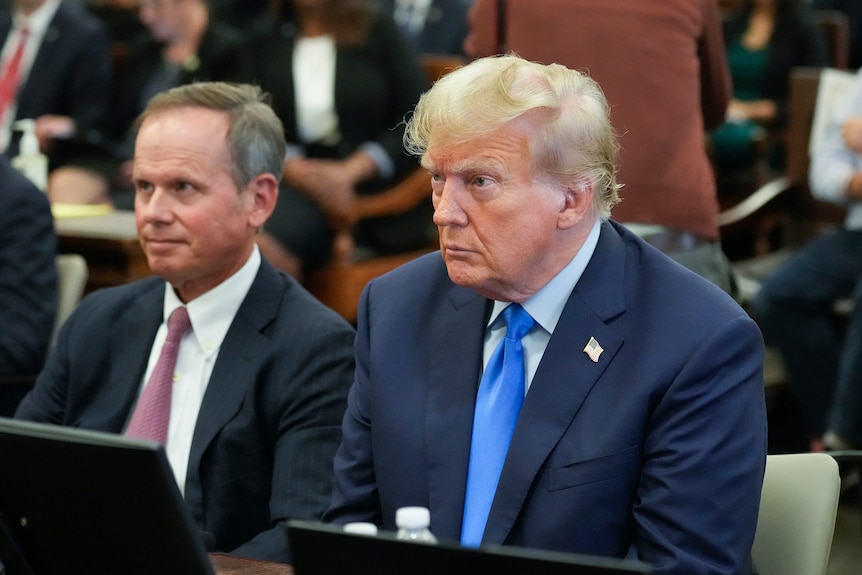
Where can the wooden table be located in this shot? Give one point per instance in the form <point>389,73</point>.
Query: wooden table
<point>227,565</point>
<point>110,245</point>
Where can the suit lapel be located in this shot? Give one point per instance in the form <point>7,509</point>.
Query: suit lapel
<point>235,368</point>
<point>457,334</point>
<point>46,59</point>
<point>236,363</point>
<point>131,341</point>
<point>563,380</point>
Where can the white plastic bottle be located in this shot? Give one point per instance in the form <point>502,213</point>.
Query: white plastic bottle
<point>30,161</point>
<point>413,524</point>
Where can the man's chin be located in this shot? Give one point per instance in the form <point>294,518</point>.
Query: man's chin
<point>462,274</point>
<point>164,268</point>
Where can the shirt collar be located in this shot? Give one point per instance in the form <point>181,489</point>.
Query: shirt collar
<point>546,305</point>
<point>37,22</point>
<point>417,9</point>
<point>212,313</point>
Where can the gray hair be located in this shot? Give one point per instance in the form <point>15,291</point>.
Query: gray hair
<point>255,134</point>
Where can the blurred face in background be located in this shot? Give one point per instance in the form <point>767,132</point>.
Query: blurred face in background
<point>163,18</point>
<point>28,6</point>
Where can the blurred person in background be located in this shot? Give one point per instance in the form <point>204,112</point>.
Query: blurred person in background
<point>765,39</point>
<point>342,78</point>
<point>182,44</point>
<point>55,68</point>
<point>433,26</point>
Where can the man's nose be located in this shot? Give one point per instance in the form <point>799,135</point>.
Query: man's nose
<point>447,210</point>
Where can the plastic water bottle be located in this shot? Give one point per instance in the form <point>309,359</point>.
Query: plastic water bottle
<point>30,161</point>
<point>413,524</point>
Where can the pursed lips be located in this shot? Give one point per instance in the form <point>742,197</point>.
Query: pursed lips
<point>157,241</point>
<point>456,250</point>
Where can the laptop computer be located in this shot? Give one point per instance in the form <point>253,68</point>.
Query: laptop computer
<point>325,549</point>
<point>84,502</point>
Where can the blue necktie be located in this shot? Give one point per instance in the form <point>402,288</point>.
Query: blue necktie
<point>501,393</point>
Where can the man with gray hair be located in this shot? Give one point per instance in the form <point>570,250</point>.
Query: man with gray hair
<point>548,379</point>
<point>230,364</point>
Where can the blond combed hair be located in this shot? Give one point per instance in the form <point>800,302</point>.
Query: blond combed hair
<point>575,139</point>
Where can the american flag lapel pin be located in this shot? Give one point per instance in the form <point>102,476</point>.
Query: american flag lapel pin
<point>593,349</point>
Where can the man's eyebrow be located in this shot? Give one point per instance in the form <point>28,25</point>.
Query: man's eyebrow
<point>475,164</point>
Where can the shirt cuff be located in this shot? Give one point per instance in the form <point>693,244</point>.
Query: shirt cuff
<point>384,163</point>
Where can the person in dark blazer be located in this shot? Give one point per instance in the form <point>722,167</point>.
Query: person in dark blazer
<point>261,381</point>
<point>182,43</point>
<point>440,28</point>
<point>28,276</point>
<point>67,86</point>
<point>642,433</point>
<point>342,78</point>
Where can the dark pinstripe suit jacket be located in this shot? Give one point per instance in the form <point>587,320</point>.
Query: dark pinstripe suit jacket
<point>269,422</point>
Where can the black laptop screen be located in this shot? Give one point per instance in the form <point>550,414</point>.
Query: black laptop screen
<point>82,502</point>
<point>323,549</point>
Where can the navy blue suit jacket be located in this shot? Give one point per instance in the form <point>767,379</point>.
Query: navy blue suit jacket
<point>269,422</point>
<point>71,76</point>
<point>656,451</point>
<point>28,274</point>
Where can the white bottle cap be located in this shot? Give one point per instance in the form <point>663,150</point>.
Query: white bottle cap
<point>412,517</point>
<point>361,528</point>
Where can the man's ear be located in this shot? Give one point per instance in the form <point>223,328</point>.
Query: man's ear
<point>263,193</point>
<point>577,203</point>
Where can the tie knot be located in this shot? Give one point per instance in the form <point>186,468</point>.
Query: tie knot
<point>178,323</point>
<point>518,321</point>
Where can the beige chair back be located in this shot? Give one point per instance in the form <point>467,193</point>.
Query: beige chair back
<point>798,506</point>
<point>72,274</point>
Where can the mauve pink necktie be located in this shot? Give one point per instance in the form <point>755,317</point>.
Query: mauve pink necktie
<point>153,412</point>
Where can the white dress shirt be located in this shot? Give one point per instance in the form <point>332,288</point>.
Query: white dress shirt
<point>211,315</point>
<point>314,85</point>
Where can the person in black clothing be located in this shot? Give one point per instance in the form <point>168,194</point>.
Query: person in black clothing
<point>182,44</point>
